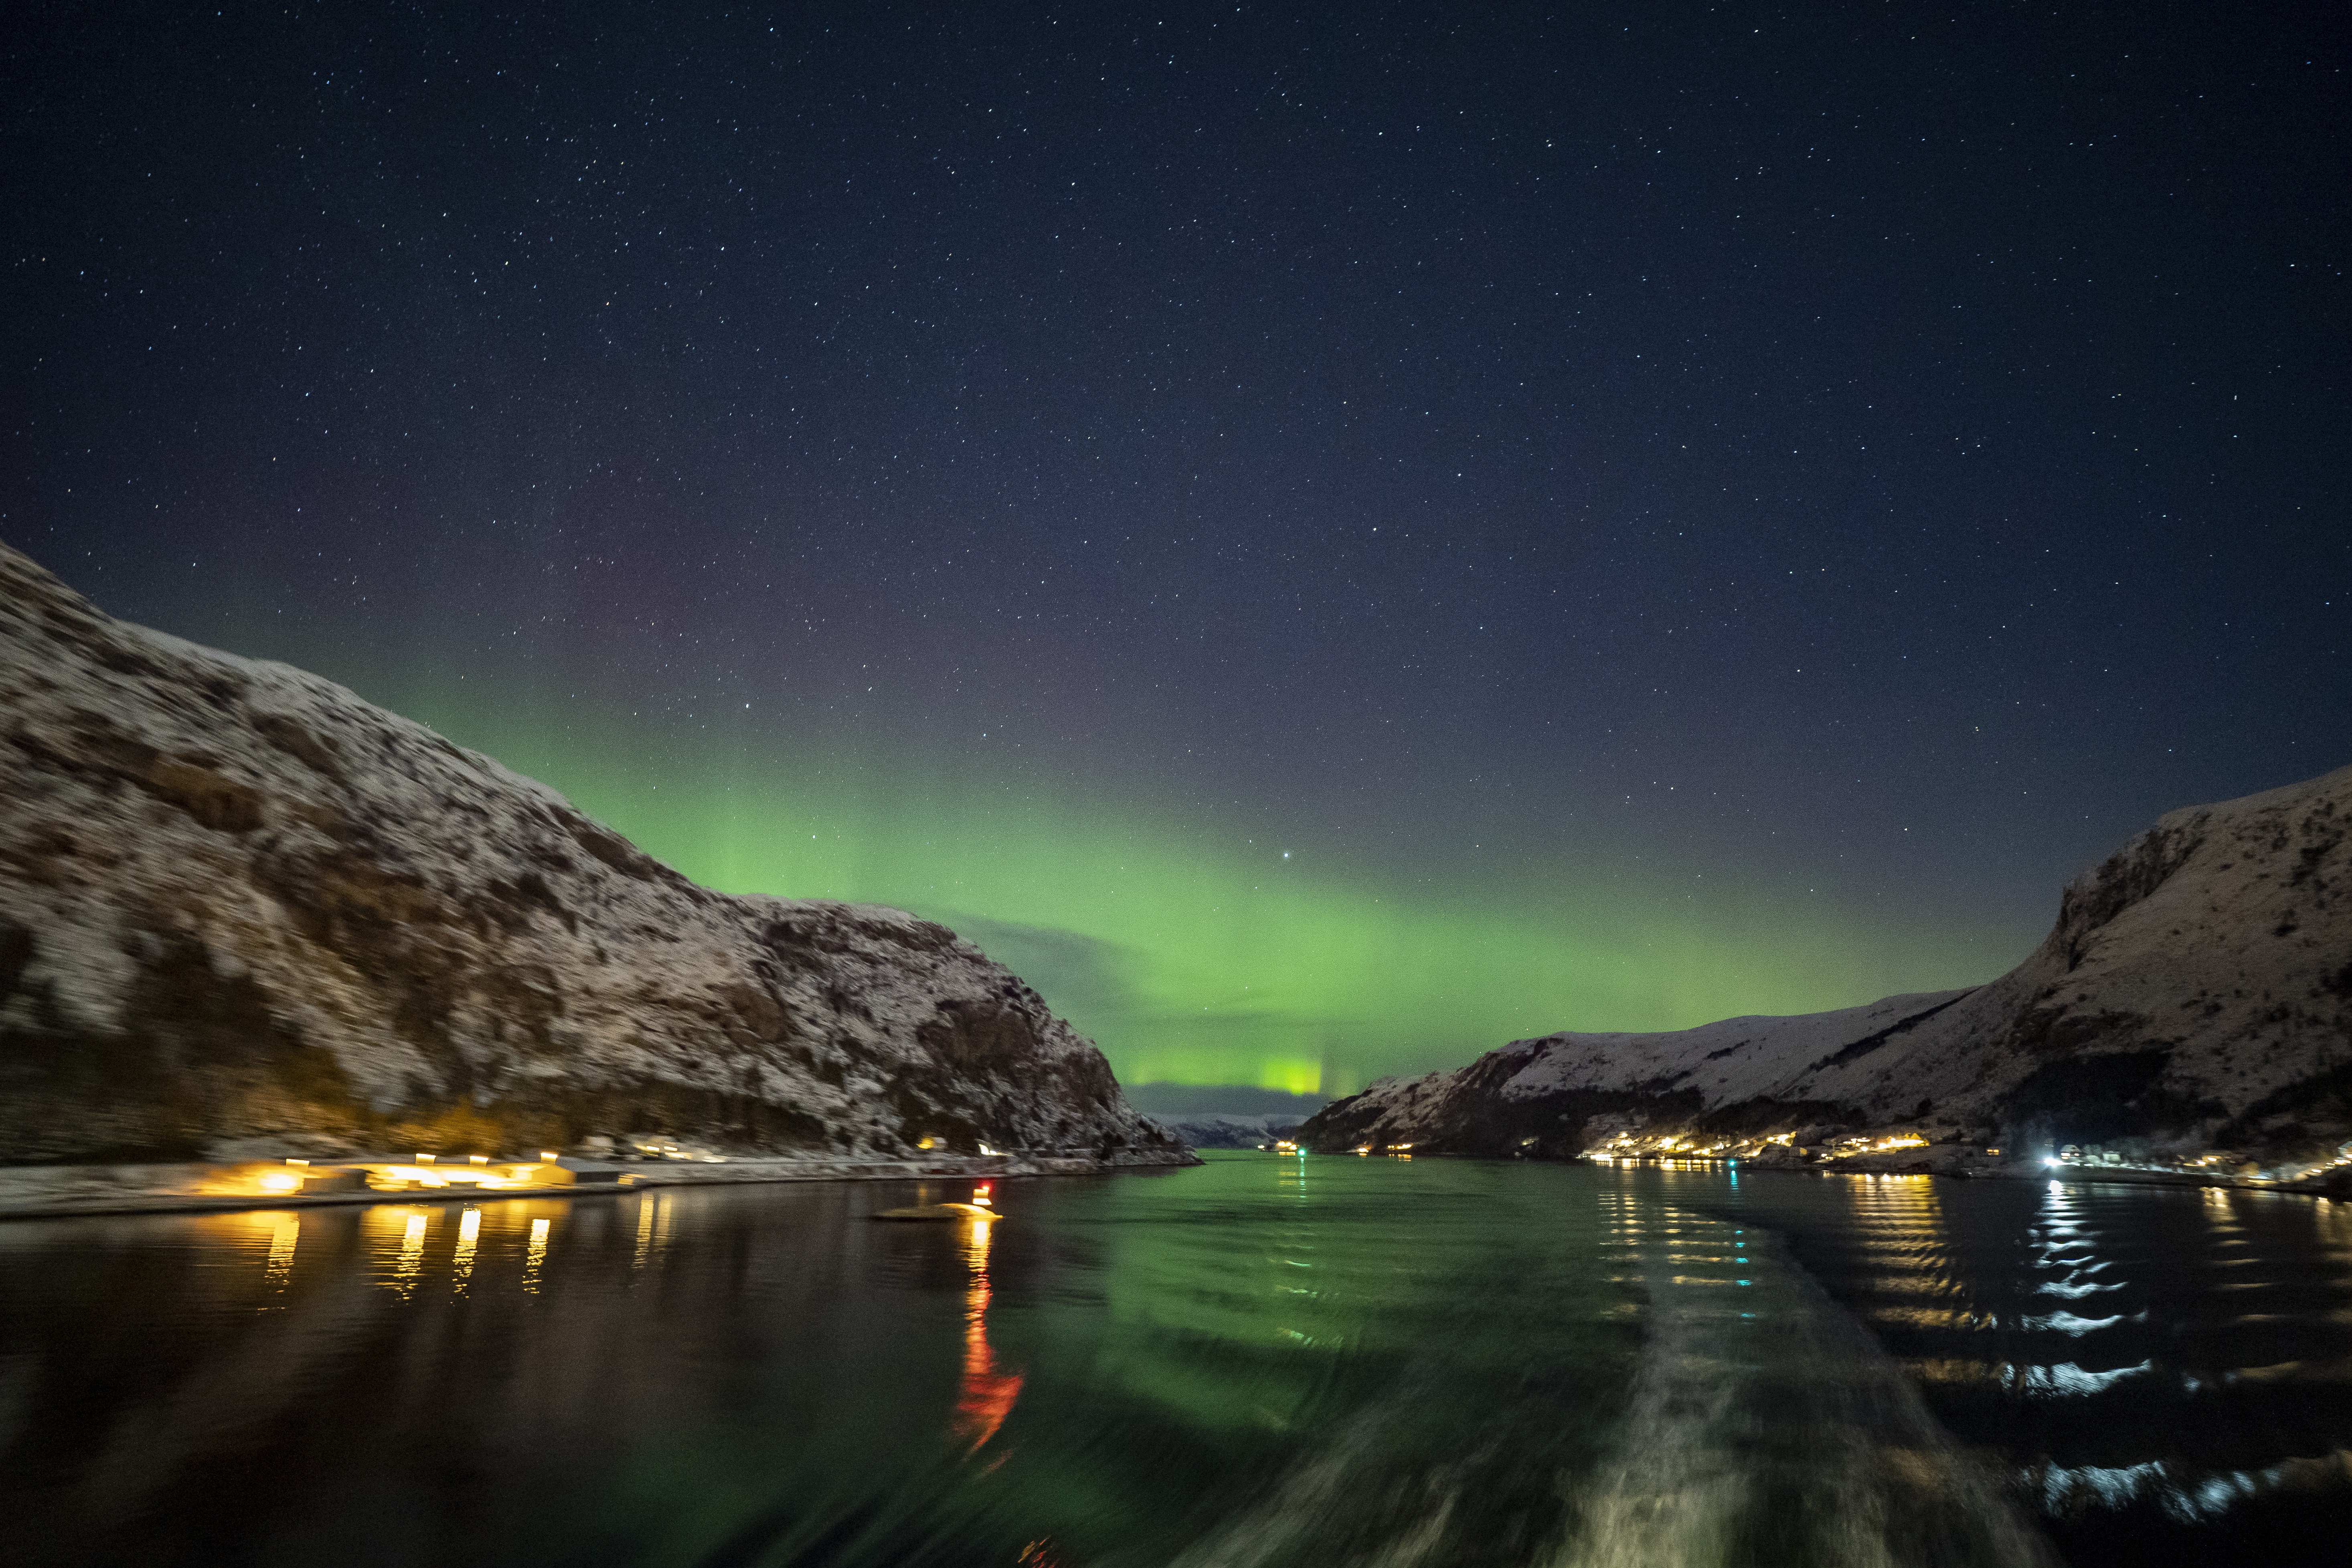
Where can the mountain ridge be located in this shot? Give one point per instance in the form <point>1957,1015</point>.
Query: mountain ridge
<point>240,906</point>
<point>2194,991</point>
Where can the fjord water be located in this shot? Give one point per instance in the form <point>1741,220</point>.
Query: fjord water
<point>1270,1360</point>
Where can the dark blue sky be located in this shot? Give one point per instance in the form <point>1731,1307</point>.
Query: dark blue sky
<point>1860,447</point>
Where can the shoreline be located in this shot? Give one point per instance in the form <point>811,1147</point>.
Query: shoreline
<point>1946,1170</point>
<point>101,1191</point>
<point>2071,1174</point>
<point>106,1189</point>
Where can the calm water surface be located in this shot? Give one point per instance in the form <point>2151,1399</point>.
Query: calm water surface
<point>1267,1361</point>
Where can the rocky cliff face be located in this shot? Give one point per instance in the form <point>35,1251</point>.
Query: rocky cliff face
<point>240,906</point>
<point>2196,989</point>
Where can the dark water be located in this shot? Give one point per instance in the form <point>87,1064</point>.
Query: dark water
<point>1269,1360</point>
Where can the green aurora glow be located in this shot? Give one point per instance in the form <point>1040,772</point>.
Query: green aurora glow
<point>1193,954</point>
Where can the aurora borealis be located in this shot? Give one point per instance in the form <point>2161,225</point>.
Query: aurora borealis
<point>1198,954</point>
<point>1327,541</point>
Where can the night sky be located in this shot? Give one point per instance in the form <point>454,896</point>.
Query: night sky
<point>1328,538</point>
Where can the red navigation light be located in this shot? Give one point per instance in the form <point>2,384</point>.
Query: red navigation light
<point>979,1193</point>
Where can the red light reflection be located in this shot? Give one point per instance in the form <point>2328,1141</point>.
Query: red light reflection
<point>987,1395</point>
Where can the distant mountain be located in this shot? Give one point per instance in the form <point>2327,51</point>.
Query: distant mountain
<point>1229,1132</point>
<point>2196,992</point>
<point>242,909</point>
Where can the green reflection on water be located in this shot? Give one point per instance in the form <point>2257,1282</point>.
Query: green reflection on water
<point>1243,1349</point>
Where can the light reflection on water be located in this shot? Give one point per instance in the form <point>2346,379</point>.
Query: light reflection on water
<point>2092,1340</point>
<point>656,1211</point>
<point>1764,1427</point>
<point>411,1261</point>
<point>1270,1360</point>
<point>987,1393</point>
<point>285,1234</point>
<point>469,1240</point>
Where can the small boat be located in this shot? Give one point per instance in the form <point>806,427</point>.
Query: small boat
<point>981,1208</point>
<point>941,1211</point>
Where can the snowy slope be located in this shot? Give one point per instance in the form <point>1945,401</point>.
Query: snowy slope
<point>1736,1059</point>
<point>2198,983</point>
<point>238,902</point>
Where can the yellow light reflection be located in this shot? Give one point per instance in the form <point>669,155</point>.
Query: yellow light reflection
<point>536,1255</point>
<point>282,1252</point>
<point>987,1393</point>
<point>1899,1221</point>
<point>412,1257</point>
<point>469,1235</point>
<point>654,1216</point>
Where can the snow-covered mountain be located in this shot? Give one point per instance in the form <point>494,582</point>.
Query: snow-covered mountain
<point>2196,988</point>
<point>241,907</point>
<point>1228,1131</point>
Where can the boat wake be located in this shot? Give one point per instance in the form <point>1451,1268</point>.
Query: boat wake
<point>1762,1427</point>
<point>1765,1426</point>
